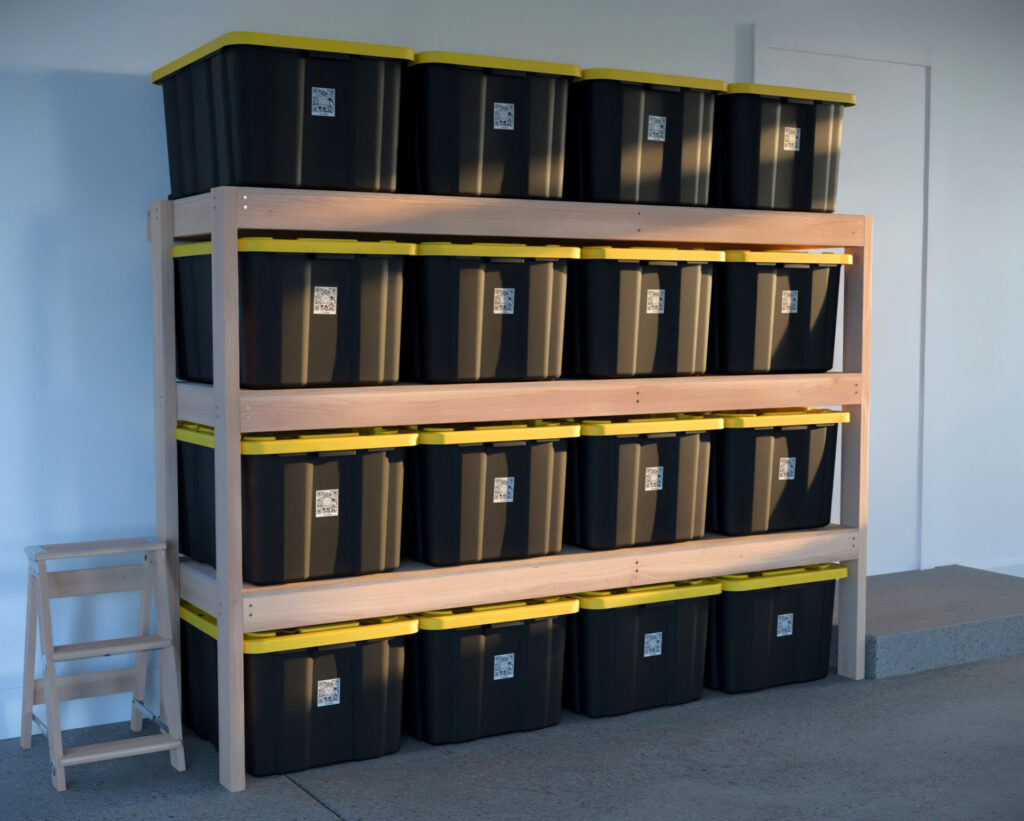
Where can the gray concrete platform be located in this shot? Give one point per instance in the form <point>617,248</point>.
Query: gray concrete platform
<point>941,745</point>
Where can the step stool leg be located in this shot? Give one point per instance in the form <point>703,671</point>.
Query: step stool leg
<point>28,682</point>
<point>170,682</point>
<point>141,659</point>
<point>53,733</point>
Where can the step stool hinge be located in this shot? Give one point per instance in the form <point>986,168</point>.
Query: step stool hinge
<point>149,714</point>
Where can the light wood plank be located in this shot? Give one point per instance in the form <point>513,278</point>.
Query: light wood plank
<point>170,692</point>
<point>54,737</point>
<point>122,748</point>
<point>88,685</point>
<point>29,670</point>
<point>117,579</point>
<point>108,647</point>
<point>82,550</point>
<point>193,216</point>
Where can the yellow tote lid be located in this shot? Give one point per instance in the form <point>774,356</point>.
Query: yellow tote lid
<point>498,613</point>
<point>738,582</point>
<point>793,93</point>
<point>262,445</point>
<point>651,254</point>
<point>503,63</point>
<point>649,594</point>
<point>252,38</point>
<point>491,249</point>
<point>320,635</point>
<point>676,423</point>
<point>788,417</point>
<point>311,245</point>
<point>789,257</point>
<point>505,432</point>
<point>653,79</point>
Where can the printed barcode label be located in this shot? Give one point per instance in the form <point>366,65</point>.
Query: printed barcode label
<point>504,488</point>
<point>655,300</point>
<point>790,138</point>
<point>504,666</point>
<point>653,478</point>
<point>322,104</point>
<point>784,626</point>
<point>505,116</point>
<point>504,300</point>
<point>652,644</point>
<point>325,300</point>
<point>326,503</point>
<point>790,302</point>
<point>656,128</point>
<point>328,692</point>
<point>787,467</point>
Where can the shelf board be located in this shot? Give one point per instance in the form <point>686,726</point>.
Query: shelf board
<point>419,216</point>
<point>416,587</point>
<point>411,404</point>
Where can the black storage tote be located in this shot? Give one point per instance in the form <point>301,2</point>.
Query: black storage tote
<point>639,312</point>
<point>314,506</point>
<point>775,312</point>
<point>313,695</point>
<point>481,671</point>
<point>277,111</point>
<point>485,492</point>
<point>638,648</point>
<point>311,312</point>
<point>486,126</point>
<point>777,147</point>
<point>637,481</point>
<point>484,312</point>
<point>773,470</point>
<point>637,137</point>
<point>771,628</point>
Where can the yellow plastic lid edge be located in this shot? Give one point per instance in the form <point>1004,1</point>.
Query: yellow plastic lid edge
<point>697,83</point>
<point>502,63</point>
<point>633,598</point>
<point>801,575</point>
<point>314,245</point>
<point>784,420</point>
<point>478,618</point>
<point>651,254</point>
<point>312,637</point>
<point>588,428</point>
<point>788,257</point>
<point>476,436</point>
<point>490,249</point>
<point>325,444</point>
<point>793,93</point>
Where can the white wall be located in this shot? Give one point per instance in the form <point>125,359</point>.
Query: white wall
<point>82,153</point>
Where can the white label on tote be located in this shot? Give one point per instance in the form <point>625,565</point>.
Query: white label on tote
<point>784,626</point>
<point>326,503</point>
<point>653,478</point>
<point>655,300</point>
<point>325,300</point>
<point>322,104</point>
<point>790,302</point>
<point>787,468</point>
<point>505,116</point>
<point>504,666</point>
<point>790,138</point>
<point>504,300</point>
<point>504,488</point>
<point>328,692</point>
<point>656,128</point>
<point>652,644</point>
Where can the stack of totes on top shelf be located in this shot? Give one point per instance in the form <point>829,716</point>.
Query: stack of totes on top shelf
<point>479,493</point>
<point>314,506</point>
<point>313,696</point>
<point>484,126</point>
<point>777,147</point>
<point>286,112</point>
<point>644,138</point>
<point>638,312</point>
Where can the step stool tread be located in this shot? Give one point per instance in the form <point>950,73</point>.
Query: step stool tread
<point>106,547</point>
<point>109,647</point>
<point>121,748</point>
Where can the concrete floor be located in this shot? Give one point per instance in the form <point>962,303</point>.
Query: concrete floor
<point>945,744</point>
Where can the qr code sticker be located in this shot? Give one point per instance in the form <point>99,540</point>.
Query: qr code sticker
<point>656,128</point>
<point>653,478</point>
<point>504,300</point>
<point>652,644</point>
<point>323,102</point>
<point>790,138</point>
<point>504,489</point>
<point>505,116</point>
<point>504,666</point>
<point>787,468</point>
<point>326,503</point>
<point>784,625</point>
<point>655,300</point>
<point>325,300</point>
<point>328,692</point>
<point>790,302</point>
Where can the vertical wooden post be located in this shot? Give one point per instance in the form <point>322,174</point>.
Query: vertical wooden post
<point>854,480</point>
<point>165,411</point>
<point>227,462</point>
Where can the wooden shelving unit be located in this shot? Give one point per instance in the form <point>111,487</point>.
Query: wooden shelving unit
<point>227,212</point>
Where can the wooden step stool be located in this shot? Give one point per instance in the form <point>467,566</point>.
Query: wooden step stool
<point>150,578</point>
